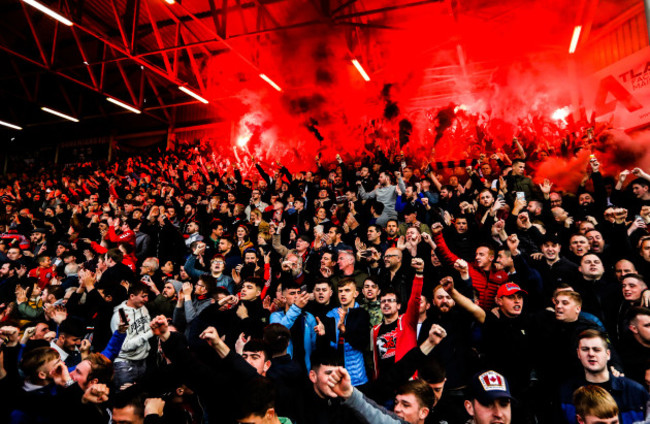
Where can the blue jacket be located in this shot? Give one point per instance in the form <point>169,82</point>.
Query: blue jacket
<point>223,281</point>
<point>629,395</point>
<point>357,338</point>
<point>287,319</point>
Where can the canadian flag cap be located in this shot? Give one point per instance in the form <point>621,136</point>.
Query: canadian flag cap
<point>488,386</point>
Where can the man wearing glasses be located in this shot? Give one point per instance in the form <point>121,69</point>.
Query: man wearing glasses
<point>397,334</point>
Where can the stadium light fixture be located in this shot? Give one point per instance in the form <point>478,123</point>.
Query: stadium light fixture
<point>360,69</point>
<point>270,81</point>
<point>51,13</point>
<point>193,94</point>
<point>124,105</point>
<point>574,39</point>
<point>59,114</point>
<point>8,125</point>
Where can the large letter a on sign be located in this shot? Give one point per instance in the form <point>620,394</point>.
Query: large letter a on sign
<point>610,85</point>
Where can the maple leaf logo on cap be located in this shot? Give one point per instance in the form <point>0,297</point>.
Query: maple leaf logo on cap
<point>491,380</point>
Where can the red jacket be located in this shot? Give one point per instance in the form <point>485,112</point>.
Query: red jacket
<point>127,237</point>
<point>486,284</point>
<point>44,275</point>
<point>129,260</point>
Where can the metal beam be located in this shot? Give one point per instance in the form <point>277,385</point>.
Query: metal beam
<point>127,83</point>
<point>68,77</point>
<point>36,39</point>
<point>54,40</point>
<point>118,21</point>
<point>195,69</point>
<point>385,9</point>
<point>158,38</point>
<point>84,57</point>
<point>207,14</point>
<point>219,26</point>
<point>19,74</point>
<point>158,97</point>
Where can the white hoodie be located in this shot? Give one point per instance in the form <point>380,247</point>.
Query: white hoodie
<point>136,345</point>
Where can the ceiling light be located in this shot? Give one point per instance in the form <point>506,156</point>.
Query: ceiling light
<point>124,105</point>
<point>360,69</point>
<point>48,12</point>
<point>270,81</point>
<point>59,114</point>
<point>7,124</point>
<point>193,94</point>
<point>574,39</point>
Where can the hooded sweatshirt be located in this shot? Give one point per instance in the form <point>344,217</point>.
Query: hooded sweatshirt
<point>136,345</point>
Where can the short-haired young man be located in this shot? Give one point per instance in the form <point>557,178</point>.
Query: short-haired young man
<point>324,299</point>
<point>594,354</point>
<point>413,401</point>
<point>594,405</point>
<point>130,364</point>
<point>635,350</point>
<point>489,399</point>
<point>257,403</point>
<point>370,301</point>
<point>71,331</point>
<point>299,322</point>
<point>348,329</point>
<point>506,341</point>
<point>134,409</point>
<point>397,334</point>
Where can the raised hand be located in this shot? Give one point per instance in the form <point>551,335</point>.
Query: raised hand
<point>436,334</point>
<point>160,326</point>
<point>319,329</point>
<point>242,311</point>
<point>96,393</point>
<point>60,374</point>
<point>342,314</point>
<point>241,342</point>
<point>498,204</point>
<point>59,314</point>
<point>418,265</point>
<point>302,300</point>
<point>211,335</point>
<point>401,245</point>
<point>623,175</point>
<point>513,242</point>
<point>340,383</point>
<point>10,335</point>
<point>154,406</point>
<point>447,284</point>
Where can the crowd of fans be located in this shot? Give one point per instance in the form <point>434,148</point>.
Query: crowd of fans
<point>171,289</point>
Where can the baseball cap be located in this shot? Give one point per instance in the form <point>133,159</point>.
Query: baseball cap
<point>508,289</point>
<point>488,386</point>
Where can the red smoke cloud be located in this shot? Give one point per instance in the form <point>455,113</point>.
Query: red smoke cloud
<point>515,70</point>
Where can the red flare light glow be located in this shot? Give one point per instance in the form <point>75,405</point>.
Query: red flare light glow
<point>510,79</point>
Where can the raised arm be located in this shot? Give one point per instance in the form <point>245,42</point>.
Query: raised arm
<point>464,302</point>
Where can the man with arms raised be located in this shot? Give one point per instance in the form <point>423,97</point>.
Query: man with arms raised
<point>413,401</point>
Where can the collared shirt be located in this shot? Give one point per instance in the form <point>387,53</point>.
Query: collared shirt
<point>63,353</point>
